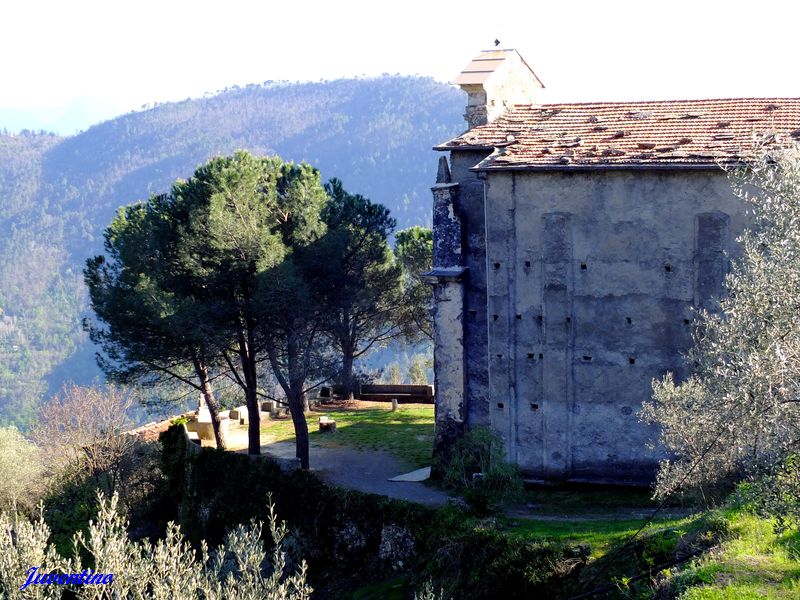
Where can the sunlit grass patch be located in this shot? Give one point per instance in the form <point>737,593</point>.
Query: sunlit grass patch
<point>406,433</point>
<point>751,562</point>
<point>600,535</point>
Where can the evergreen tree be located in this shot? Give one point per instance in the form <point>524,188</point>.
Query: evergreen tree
<point>414,252</point>
<point>144,320</point>
<point>356,277</point>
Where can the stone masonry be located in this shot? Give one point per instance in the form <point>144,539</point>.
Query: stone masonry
<point>565,270</point>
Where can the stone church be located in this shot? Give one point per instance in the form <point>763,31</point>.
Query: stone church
<point>571,242</point>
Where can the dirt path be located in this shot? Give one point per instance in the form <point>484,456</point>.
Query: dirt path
<point>366,471</point>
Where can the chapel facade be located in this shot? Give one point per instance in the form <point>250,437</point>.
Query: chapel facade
<point>571,244</point>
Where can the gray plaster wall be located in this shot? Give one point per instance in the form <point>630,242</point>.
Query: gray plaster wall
<point>470,205</point>
<point>576,297</point>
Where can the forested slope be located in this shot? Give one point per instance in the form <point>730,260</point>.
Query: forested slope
<point>58,194</point>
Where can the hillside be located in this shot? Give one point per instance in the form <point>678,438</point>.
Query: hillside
<point>58,194</point>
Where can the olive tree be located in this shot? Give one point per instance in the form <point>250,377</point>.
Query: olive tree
<point>738,414</point>
<point>169,568</point>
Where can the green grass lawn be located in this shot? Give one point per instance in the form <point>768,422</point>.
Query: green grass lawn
<point>600,535</point>
<point>406,433</point>
<point>752,562</point>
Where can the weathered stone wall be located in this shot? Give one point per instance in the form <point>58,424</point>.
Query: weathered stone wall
<point>512,83</point>
<point>470,204</point>
<point>588,292</point>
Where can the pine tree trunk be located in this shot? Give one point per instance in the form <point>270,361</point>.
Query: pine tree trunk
<point>213,410</point>
<point>248,361</point>
<point>211,401</point>
<point>253,422</point>
<point>300,428</point>
<point>347,373</point>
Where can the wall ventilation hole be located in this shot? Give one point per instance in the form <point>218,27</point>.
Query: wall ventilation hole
<point>530,355</point>
<point>632,361</point>
<point>500,405</point>
<point>499,356</point>
<point>628,320</point>
<point>534,406</point>
<point>583,266</point>
<point>519,316</point>
<point>496,266</point>
<point>495,317</point>
<point>668,268</point>
<point>587,358</point>
<point>686,321</point>
<point>569,320</point>
<point>540,318</point>
<point>541,356</point>
<point>527,264</point>
<point>473,314</point>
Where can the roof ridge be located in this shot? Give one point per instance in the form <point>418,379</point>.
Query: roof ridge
<point>677,101</point>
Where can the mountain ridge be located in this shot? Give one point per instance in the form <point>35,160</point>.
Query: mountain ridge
<point>57,194</point>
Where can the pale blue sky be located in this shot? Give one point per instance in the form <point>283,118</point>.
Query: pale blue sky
<point>65,65</point>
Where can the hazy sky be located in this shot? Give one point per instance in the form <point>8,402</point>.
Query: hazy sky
<point>67,64</point>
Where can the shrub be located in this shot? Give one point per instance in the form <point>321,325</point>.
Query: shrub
<point>137,480</point>
<point>170,568</point>
<point>20,470</point>
<point>775,492</point>
<point>349,537</point>
<point>737,415</point>
<point>475,465</point>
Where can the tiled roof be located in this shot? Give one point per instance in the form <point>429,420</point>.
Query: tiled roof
<point>665,134</point>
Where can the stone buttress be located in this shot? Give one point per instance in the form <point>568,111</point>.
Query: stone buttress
<point>446,277</point>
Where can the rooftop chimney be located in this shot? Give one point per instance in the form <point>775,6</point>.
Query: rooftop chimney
<point>494,81</point>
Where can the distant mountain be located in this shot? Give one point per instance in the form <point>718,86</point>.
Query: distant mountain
<point>57,194</point>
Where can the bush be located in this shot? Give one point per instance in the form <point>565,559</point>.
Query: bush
<point>775,492</point>
<point>349,537</point>
<point>239,568</point>
<point>70,501</point>
<point>737,415</point>
<point>475,465</point>
<point>20,470</point>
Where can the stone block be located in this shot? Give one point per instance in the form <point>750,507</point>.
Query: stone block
<point>239,414</point>
<point>327,425</point>
<point>205,431</point>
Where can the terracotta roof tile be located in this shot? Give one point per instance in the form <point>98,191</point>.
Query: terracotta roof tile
<point>671,134</point>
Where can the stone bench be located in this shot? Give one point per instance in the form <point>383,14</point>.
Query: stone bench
<point>421,394</point>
